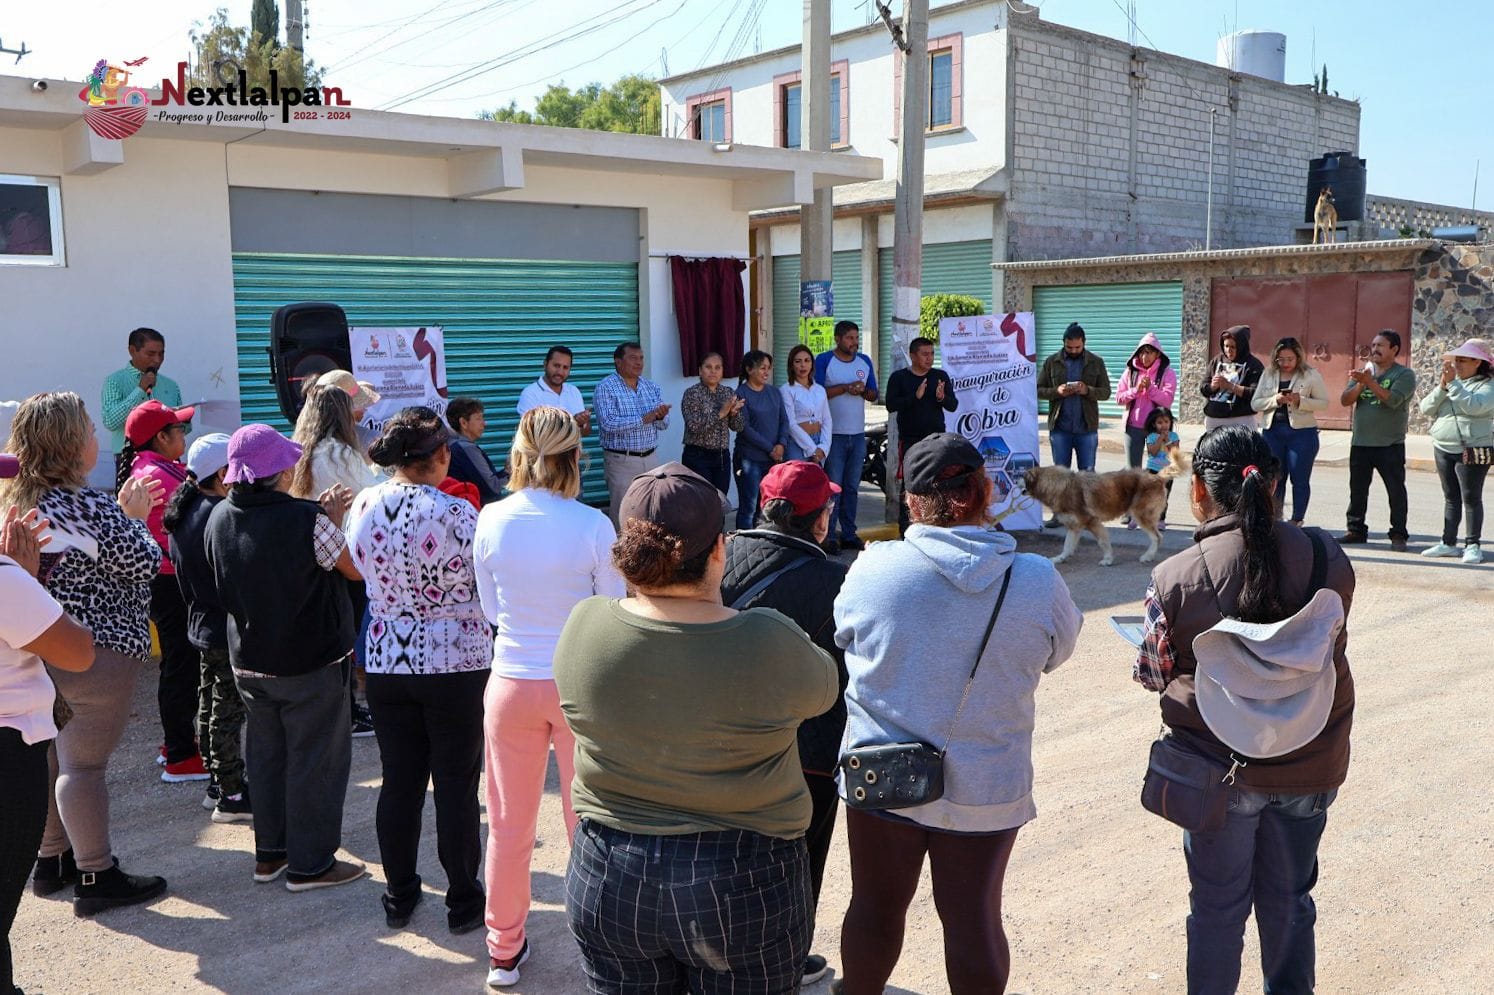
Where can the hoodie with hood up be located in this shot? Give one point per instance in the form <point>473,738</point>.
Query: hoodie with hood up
<point>1247,374</point>
<point>910,618</point>
<point>1162,384</point>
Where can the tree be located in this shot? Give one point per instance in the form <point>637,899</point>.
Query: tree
<point>221,50</point>
<point>629,105</point>
<point>264,21</point>
<point>935,307</point>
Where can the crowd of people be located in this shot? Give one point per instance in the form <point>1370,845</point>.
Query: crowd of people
<point>699,687</point>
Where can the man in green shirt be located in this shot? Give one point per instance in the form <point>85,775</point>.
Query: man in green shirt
<point>138,382</point>
<point>1380,395</point>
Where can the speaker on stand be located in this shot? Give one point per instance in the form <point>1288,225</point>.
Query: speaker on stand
<point>307,339</point>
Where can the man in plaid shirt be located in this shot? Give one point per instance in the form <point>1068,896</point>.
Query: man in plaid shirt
<point>631,413</point>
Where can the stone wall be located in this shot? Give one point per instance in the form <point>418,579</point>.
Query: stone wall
<point>1109,148</point>
<point>1453,301</point>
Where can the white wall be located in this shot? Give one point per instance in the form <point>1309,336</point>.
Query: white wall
<point>981,142</point>
<point>148,244</point>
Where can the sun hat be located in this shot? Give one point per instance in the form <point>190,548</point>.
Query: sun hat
<point>1472,349</point>
<point>802,483</point>
<point>937,461</point>
<point>361,391</point>
<point>1266,688</point>
<point>680,501</point>
<point>258,451</point>
<point>208,455</point>
<point>149,417</point>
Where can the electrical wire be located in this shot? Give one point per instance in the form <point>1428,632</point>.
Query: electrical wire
<point>367,52</point>
<point>578,30</point>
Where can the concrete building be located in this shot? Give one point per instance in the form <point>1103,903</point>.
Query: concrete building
<point>1043,142</point>
<point>511,237</point>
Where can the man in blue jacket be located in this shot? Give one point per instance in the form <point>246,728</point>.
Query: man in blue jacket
<point>850,381</point>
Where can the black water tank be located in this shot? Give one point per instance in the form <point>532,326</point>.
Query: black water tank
<point>1344,172</point>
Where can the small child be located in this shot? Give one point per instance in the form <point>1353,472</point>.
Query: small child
<point>1160,439</point>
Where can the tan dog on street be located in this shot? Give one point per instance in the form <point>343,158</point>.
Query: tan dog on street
<point>1084,501</point>
<point>1325,218</point>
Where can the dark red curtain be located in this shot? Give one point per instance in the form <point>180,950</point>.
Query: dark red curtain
<point>711,310</point>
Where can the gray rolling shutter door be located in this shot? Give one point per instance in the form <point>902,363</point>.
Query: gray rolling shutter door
<point>845,273</point>
<point>1115,316</point>
<point>499,316</point>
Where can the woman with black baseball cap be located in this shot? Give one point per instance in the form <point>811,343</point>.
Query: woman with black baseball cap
<point>688,867</point>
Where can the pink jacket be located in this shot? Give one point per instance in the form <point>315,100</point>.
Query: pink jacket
<point>1159,392</point>
<point>153,466</point>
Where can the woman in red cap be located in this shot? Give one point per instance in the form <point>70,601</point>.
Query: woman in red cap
<point>155,440</point>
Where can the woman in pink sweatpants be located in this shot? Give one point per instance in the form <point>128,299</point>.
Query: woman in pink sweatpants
<point>538,552</point>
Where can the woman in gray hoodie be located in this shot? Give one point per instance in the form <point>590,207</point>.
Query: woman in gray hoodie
<point>910,618</point>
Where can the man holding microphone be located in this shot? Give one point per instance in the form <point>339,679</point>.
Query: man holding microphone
<point>138,382</point>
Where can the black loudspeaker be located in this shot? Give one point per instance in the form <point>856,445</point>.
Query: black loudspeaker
<point>306,340</point>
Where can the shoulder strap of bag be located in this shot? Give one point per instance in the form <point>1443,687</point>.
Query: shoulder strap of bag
<point>984,642</point>
<point>763,584</point>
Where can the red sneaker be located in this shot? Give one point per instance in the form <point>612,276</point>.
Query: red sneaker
<point>190,769</point>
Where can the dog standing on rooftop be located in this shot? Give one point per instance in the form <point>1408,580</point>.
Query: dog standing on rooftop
<point>1083,501</point>
<point>1325,218</point>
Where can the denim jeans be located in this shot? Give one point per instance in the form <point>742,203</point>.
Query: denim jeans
<point>1295,449</point>
<point>1135,447</point>
<point>716,913</point>
<point>712,464</point>
<point>843,466</point>
<point>750,475</point>
<point>1265,857</point>
<point>1066,445</point>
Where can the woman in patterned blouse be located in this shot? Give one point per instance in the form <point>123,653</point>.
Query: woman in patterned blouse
<point>712,412</point>
<point>99,566</point>
<point>428,650</point>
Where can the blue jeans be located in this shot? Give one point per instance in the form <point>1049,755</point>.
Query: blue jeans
<point>843,466</point>
<point>749,478</point>
<point>1295,449</point>
<point>1266,856</point>
<point>1068,444</point>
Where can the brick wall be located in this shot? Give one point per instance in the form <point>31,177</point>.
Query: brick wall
<point>1107,162</point>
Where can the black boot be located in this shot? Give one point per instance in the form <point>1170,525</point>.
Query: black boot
<point>97,891</point>
<point>53,874</point>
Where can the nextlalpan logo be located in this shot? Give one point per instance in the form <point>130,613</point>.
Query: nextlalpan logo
<point>116,110</point>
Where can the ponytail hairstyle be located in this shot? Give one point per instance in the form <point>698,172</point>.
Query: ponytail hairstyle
<point>751,361</point>
<point>1239,472</point>
<point>183,499</point>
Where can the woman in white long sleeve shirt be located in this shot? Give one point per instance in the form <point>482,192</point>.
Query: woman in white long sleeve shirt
<point>807,408</point>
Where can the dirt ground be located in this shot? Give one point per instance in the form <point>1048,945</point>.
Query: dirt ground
<point>1096,893</point>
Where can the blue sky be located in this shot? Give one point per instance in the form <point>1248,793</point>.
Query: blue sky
<point>1424,120</point>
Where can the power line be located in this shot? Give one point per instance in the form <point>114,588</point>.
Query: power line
<point>392,31</point>
<point>364,54</point>
<point>533,48</point>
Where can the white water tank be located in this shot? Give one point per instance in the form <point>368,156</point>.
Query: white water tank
<point>1256,53</point>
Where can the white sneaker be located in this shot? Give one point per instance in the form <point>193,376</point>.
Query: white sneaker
<point>1473,554</point>
<point>503,973</point>
<point>1441,549</point>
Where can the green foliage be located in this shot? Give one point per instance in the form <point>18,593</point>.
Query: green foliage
<point>629,105</point>
<point>264,20</point>
<point>937,306</point>
<point>221,49</point>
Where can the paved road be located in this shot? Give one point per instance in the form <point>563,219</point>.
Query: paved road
<point>1096,892</point>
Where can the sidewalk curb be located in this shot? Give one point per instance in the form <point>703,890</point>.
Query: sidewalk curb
<point>1109,444</point>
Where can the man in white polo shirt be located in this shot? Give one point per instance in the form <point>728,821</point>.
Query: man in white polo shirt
<point>552,390</point>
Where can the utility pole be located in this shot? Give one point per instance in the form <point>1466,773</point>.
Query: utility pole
<point>816,224</point>
<point>907,231</point>
<point>295,25</point>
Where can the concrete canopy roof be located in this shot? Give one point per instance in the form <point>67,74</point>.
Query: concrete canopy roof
<point>1211,255</point>
<point>482,156</point>
<point>880,196</point>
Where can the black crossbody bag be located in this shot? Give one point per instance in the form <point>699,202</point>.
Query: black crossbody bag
<point>901,775</point>
<point>1187,786</point>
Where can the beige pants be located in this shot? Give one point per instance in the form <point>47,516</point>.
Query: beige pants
<point>620,471</point>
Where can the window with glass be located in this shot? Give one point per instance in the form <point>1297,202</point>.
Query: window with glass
<point>941,89</point>
<point>710,123</point>
<point>793,114</point>
<point>30,221</point>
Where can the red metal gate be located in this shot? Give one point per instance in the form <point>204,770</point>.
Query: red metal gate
<point>1333,315</point>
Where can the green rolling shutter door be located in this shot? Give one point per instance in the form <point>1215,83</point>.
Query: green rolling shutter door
<point>948,268</point>
<point>1114,316</point>
<point>845,272</point>
<point>499,317</point>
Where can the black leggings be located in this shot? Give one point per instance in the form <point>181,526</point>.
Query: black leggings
<point>23,813</point>
<point>1462,496</point>
<point>886,861</point>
